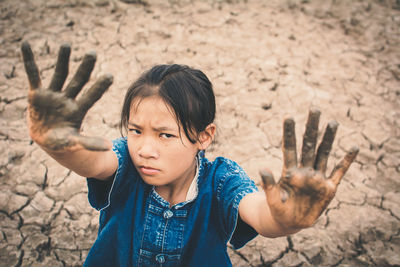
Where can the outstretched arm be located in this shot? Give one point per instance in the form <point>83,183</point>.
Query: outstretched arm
<point>303,191</point>
<point>55,117</point>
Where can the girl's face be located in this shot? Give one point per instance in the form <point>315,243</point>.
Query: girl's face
<point>160,151</point>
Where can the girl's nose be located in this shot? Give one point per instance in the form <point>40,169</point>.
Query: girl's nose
<point>147,149</point>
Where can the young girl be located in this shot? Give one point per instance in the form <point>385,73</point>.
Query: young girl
<point>161,202</point>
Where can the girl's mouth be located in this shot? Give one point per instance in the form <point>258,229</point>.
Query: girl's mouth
<point>148,170</point>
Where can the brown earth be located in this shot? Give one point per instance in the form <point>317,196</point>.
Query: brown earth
<point>266,59</point>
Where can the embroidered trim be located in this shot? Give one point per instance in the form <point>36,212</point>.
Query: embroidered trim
<point>120,163</point>
<point>194,188</point>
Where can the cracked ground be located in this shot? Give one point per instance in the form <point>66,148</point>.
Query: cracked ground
<point>266,59</point>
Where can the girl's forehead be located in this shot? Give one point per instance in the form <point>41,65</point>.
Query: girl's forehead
<point>153,109</point>
<point>155,103</point>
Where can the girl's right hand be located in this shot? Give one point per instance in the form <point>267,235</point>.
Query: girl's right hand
<point>54,116</point>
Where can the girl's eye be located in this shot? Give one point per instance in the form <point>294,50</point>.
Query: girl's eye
<point>134,131</point>
<point>167,136</point>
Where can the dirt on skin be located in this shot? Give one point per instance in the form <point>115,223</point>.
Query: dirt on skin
<point>266,59</point>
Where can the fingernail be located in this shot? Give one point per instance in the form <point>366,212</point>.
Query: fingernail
<point>91,54</point>
<point>289,121</point>
<point>65,46</point>
<point>267,177</point>
<point>315,111</point>
<point>333,125</point>
<point>354,149</point>
<point>109,77</point>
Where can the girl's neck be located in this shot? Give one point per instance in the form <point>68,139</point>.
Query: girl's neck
<point>176,192</point>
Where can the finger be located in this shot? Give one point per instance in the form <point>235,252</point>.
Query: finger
<point>267,179</point>
<point>289,145</point>
<point>94,143</point>
<point>61,72</point>
<point>310,138</point>
<point>30,66</point>
<point>95,92</point>
<point>340,170</point>
<point>81,76</point>
<point>325,147</point>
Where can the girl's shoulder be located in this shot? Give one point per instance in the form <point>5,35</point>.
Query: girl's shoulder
<point>222,169</point>
<point>120,148</point>
<point>228,180</point>
<point>120,144</point>
<point>224,165</point>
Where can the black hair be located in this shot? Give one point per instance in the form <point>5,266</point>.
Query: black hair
<point>186,90</point>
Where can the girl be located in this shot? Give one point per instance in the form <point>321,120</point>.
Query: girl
<point>161,202</point>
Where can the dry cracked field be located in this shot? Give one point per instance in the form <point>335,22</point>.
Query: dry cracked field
<point>267,59</point>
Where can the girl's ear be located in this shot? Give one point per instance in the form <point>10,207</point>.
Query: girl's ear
<point>207,136</point>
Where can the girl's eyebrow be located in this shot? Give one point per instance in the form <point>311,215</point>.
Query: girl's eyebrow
<point>134,125</point>
<point>157,129</point>
<point>163,128</point>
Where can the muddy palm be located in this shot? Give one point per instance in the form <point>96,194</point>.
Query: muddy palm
<point>304,191</point>
<point>54,116</point>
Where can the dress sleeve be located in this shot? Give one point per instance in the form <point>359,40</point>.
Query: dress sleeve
<point>232,187</point>
<point>100,192</point>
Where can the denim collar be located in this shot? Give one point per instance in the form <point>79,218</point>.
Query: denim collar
<point>199,175</point>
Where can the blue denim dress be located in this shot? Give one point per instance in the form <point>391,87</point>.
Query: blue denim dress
<point>139,228</point>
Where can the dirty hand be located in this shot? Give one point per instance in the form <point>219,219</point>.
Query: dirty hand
<point>303,191</point>
<point>54,116</point>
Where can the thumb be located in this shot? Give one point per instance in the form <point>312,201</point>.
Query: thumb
<point>268,183</point>
<point>94,143</point>
<point>267,179</point>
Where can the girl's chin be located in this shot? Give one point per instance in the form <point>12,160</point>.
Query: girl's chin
<point>152,180</point>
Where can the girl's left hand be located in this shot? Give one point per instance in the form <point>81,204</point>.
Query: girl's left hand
<point>303,192</point>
